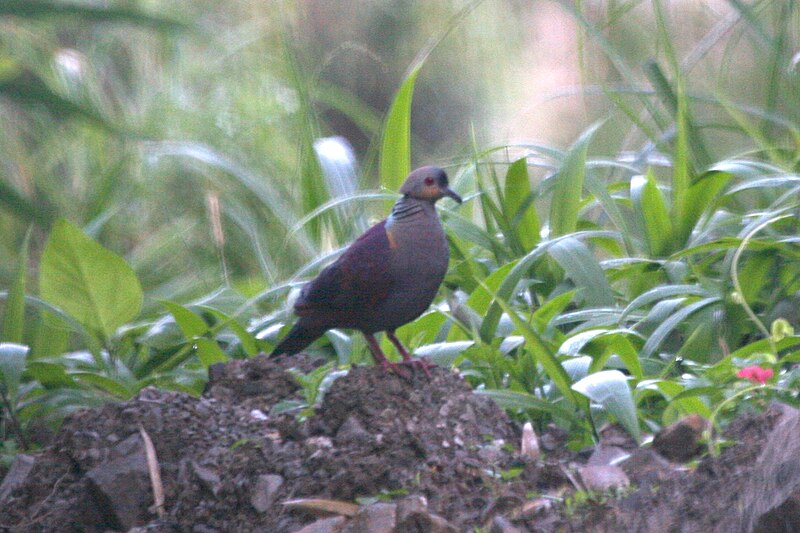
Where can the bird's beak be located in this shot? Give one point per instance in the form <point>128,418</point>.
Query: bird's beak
<point>447,191</point>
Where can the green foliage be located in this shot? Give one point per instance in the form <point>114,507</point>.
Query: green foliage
<point>583,287</point>
<point>93,285</point>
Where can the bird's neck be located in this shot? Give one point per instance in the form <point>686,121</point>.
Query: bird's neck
<point>408,209</point>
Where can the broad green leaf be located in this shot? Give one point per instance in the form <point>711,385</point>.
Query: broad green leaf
<point>443,353</point>
<point>681,178</point>
<point>104,383</point>
<point>249,342</point>
<point>14,310</point>
<point>91,283</point>
<point>567,190</point>
<point>87,12</point>
<point>13,357</point>
<point>700,199</point>
<point>653,213</point>
<point>519,207</point>
<point>396,146</point>
<point>508,399</point>
<point>583,269</point>
<point>610,389</point>
<point>662,292</point>
<point>540,351</point>
<point>50,375</point>
<point>675,320</point>
<point>209,352</point>
<point>190,323</point>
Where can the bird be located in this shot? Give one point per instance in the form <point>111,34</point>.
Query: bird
<point>386,278</point>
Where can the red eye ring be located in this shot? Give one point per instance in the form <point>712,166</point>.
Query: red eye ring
<point>429,181</point>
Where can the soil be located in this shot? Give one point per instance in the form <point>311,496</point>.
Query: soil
<point>228,464</point>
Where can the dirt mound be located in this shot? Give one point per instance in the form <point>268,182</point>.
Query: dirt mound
<point>228,464</point>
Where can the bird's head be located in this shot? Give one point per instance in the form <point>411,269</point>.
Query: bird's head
<point>428,183</point>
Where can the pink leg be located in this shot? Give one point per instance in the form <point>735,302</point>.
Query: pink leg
<point>380,359</point>
<point>407,360</point>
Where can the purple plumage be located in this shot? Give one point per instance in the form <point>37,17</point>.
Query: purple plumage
<point>386,278</point>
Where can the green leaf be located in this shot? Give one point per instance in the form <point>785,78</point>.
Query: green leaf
<point>94,285</point>
<point>443,353</point>
<point>675,320</point>
<point>209,352</point>
<point>583,269</point>
<point>566,202</point>
<point>395,155</point>
<point>519,206</point>
<point>700,199</point>
<point>249,342</point>
<point>50,375</point>
<point>610,389</point>
<point>104,383</point>
<point>508,399</point>
<point>537,347</point>
<point>190,323</point>
<point>14,313</point>
<point>84,12</point>
<point>653,213</point>
<point>12,364</point>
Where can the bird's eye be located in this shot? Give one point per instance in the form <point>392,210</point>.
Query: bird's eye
<point>429,181</point>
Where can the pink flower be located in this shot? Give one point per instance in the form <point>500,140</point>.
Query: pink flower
<point>756,374</point>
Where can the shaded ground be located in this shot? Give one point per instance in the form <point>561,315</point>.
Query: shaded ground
<point>226,464</point>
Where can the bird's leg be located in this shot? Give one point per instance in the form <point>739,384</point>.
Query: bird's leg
<point>407,360</point>
<point>380,359</point>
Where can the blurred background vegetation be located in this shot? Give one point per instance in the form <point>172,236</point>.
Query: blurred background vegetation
<point>227,149</point>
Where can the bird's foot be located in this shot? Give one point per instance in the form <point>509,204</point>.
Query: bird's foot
<point>422,363</point>
<point>397,368</point>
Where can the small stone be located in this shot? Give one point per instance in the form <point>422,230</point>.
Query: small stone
<point>264,493</point>
<point>603,477</point>
<point>607,455</point>
<point>501,524</point>
<point>209,479</point>
<point>422,521</point>
<point>333,524</point>
<point>375,518</point>
<point>409,505</point>
<point>122,485</point>
<point>17,474</point>
<point>352,431</point>
<point>321,442</point>
<point>680,441</point>
<point>258,414</point>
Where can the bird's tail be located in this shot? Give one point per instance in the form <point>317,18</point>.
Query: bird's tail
<point>300,336</point>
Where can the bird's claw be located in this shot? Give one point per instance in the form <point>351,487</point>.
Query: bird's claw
<point>422,363</point>
<point>401,368</point>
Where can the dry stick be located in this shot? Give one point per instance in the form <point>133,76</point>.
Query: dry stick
<point>155,472</point>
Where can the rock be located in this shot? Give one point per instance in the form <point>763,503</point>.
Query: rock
<point>424,522</point>
<point>501,524</point>
<point>209,479</point>
<point>680,441</point>
<point>333,524</point>
<point>374,518</point>
<point>603,477</point>
<point>607,455</point>
<point>413,517</point>
<point>352,431</point>
<point>121,485</point>
<point>264,492</point>
<point>17,475</point>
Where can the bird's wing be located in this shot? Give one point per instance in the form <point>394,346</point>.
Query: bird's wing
<point>359,280</point>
